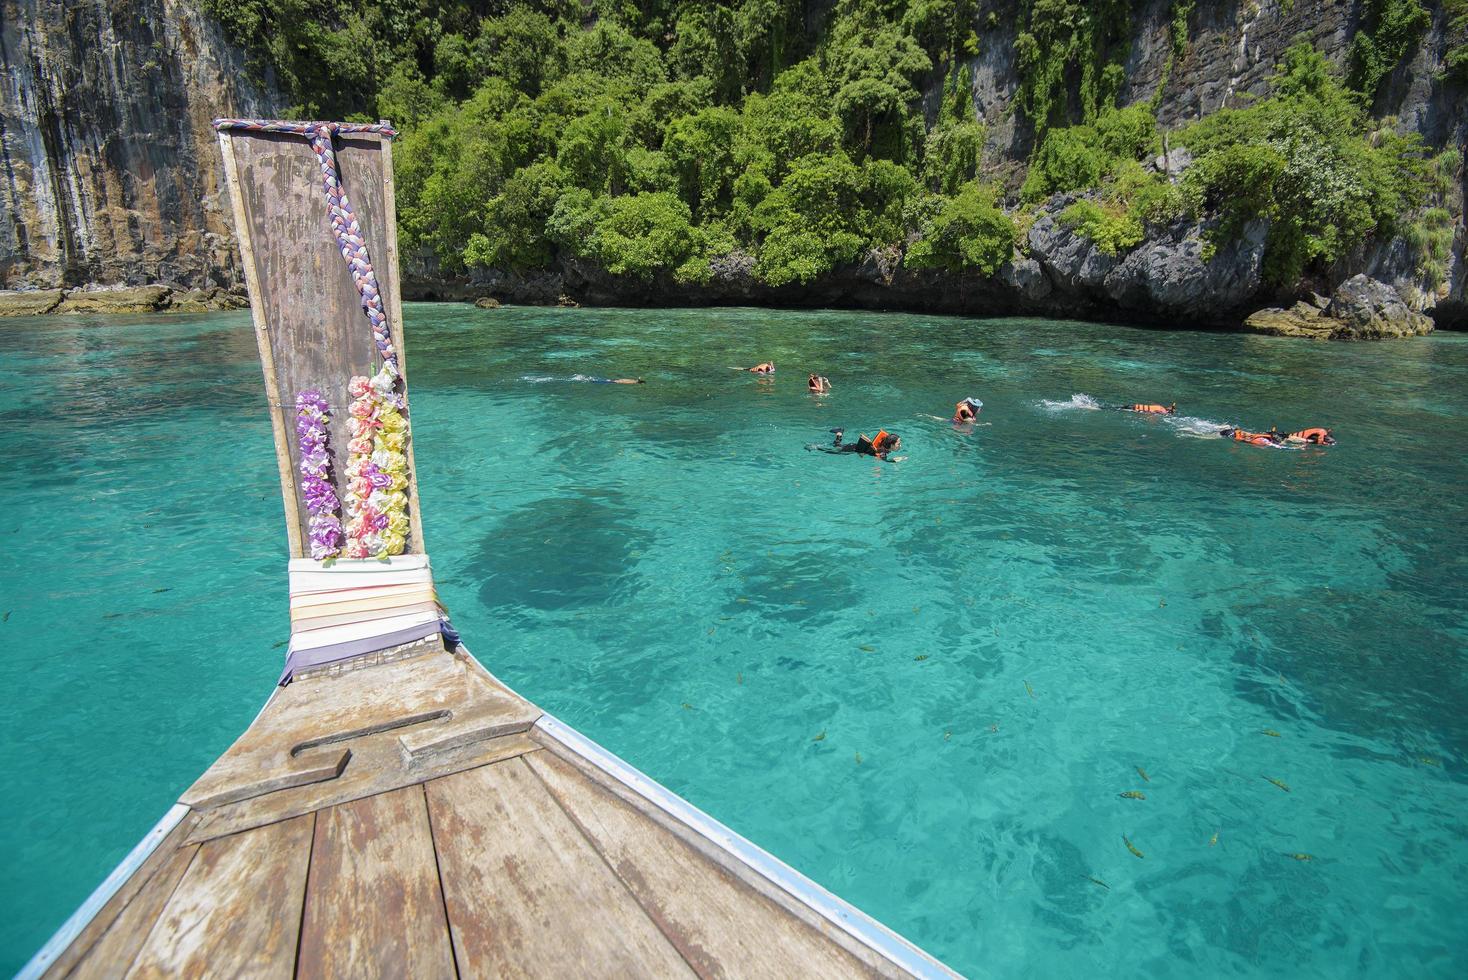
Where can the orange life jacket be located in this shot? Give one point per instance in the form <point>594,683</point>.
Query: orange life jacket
<point>1151,409</point>
<point>1253,438</point>
<point>879,441</point>
<point>1315,435</point>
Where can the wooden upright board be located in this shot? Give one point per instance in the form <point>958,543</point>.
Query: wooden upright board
<point>308,315</point>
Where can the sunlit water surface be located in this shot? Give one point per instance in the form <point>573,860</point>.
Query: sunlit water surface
<point>924,684</point>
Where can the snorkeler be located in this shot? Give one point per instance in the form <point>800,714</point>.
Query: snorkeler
<point>1314,436</point>
<point>763,367</point>
<point>1149,409</point>
<point>967,411</point>
<point>618,381</point>
<point>881,445</point>
<point>1270,438</point>
<point>817,384</point>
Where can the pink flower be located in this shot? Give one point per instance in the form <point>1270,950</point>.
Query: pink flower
<point>359,386</point>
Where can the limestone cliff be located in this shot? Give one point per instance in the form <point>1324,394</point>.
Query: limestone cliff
<point>108,172</point>
<point>108,168</point>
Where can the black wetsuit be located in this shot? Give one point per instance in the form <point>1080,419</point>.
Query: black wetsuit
<point>863,446</point>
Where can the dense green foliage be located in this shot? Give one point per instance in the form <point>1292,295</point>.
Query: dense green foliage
<point>1308,159</point>
<point>665,136</point>
<point>1388,32</point>
<point>1455,62</point>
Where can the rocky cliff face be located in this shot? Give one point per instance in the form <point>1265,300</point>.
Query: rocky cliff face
<point>108,168</point>
<point>1233,48</point>
<point>108,172</point>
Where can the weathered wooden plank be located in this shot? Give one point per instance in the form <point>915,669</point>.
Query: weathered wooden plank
<point>315,334</point>
<point>527,895</point>
<point>117,947</point>
<point>293,518</point>
<point>373,904</point>
<point>311,715</point>
<point>237,911</point>
<point>720,925</point>
<point>395,311</point>
<point>377,766</point>
<point>119,902</point>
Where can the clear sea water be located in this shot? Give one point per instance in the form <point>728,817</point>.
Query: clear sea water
<point>925,684</point>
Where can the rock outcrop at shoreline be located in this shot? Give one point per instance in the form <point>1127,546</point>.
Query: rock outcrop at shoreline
<point>1361,309</point>
<point>119,299</point>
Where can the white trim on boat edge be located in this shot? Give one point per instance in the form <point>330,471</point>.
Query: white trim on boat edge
<point>88,910</point>
<point>845,916</point>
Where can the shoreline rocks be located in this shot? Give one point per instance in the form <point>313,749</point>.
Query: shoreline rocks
<point>115,300</point>
<point>1361,308</point>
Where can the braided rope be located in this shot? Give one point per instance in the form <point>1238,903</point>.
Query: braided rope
<point>344,224</point>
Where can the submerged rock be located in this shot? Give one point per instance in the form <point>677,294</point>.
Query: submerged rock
<point>1371,310</point>
<point>28,302</point>
<point>487,303</point>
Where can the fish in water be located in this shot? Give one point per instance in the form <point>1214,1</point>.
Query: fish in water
<point>1213,841</point>
<point>858,758</point>
<point>161,591</point>
<point>921,657</point>
<point>1271,733</point>
<point>1029,690</point>
<point>739,678</point>
<point>1426,760</point>
<point>1303,857</point>
<point>1278,783</point>
<point>867,648</point>
<point>1143,773</point>
<point>1131,847</point>
<point>1098,881</point>
<point>1132,794</point>
<point>7,617</point>
<point>821,737</point>
<point>687,706</point>
<point>947,736</point>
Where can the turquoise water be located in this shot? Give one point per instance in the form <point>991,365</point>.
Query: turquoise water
<point>991,636</point>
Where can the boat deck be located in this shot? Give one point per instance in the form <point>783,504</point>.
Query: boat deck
<point>408,815</point>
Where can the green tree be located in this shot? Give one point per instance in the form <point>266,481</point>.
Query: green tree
<point>969,232</point>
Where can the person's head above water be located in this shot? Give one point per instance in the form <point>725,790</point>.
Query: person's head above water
<point>886,442</point>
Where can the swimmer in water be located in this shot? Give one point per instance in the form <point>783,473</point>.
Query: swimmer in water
<point>1150,409</point>
<point>881,445</point>
<point>618,381</point>
<point>818,385</point>
<point>967,411</point>
<point>1270,438</point>
<point>763,367</point>
<point>1314,437</point>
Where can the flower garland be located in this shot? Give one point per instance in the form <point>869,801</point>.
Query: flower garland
<point>377,467</point>
<point>325,530</point>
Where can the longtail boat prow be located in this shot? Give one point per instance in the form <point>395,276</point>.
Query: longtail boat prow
<point>395,810</point>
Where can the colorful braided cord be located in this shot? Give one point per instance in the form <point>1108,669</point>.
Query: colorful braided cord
<point>344,222</point>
